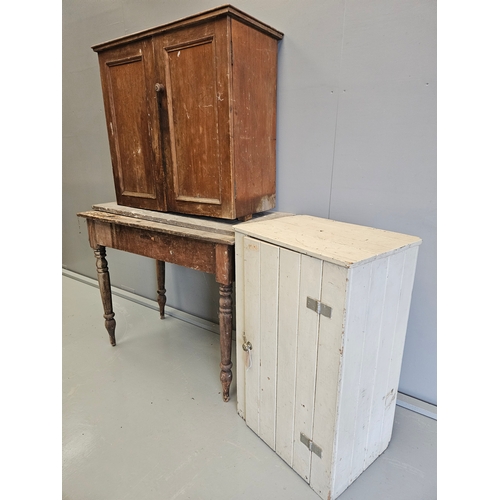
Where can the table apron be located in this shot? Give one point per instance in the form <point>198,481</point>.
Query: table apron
<point>209,257</point>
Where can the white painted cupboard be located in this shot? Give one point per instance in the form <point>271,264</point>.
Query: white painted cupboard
<point>321,315</point>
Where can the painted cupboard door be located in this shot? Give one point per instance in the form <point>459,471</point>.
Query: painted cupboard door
<point>330,358</point>
<point>127,77</point>
<point>261,286</point>
<point>193,68</point>
<point>292,381</point>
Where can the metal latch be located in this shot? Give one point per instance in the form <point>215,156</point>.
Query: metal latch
<point>312,447</point>
<point>319,307</point>
<point>247,346</point>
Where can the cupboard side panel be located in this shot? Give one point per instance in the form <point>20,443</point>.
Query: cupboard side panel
<point>288,306</point>
<point>269,274</point>
<point>252,330</point>
<point>240,322</point>
<point>374,445</point>
<point>354,340</point>
<point>307,348</point>
<point>403,310</point>
<point>254,118</point>
<point>367,397</point>
<point>331,331</point>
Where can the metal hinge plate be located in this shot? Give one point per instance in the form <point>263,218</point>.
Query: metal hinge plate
<point>312,447</point>
<point>319,307</point>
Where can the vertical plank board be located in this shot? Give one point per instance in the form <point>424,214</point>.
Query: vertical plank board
<point>372,332</point>
<point>330,340</point>
<point>403,310</point>
<point>240,323</point>
<point>387,330</point>
<point>358,293</point>
<point>252,329</point>
<point>307,343</point>
<point>269,272</point>
<point>288,306</point>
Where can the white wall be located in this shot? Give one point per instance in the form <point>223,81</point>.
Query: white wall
<point>356,136</point>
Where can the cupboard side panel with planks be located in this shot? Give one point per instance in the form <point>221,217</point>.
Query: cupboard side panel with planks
<point>347,420</point>
<point>403,309</point>
<point>375,445</point>
<point>367,398</point>
<point>371,372</point>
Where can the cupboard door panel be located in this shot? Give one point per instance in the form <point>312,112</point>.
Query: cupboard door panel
<point>193,65</point>
<point>192,111</point>
<point>330,343</point>
<point>261,270</point>
<point>131,112</point>
<point>251,330</point>
<point>269,273</point>
<point>307,345</point>
<point>288,306</point>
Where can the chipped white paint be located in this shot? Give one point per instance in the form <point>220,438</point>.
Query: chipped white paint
<point>332,379</point>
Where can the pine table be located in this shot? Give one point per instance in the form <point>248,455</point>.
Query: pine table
<point>200,243</point>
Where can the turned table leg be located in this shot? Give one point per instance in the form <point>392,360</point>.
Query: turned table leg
<point>105,289</point>
<point>160,280</point>
<point>225,323</point>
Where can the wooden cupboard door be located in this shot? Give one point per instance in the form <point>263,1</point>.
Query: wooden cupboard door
<point>127,76</point>
<point>193,67</point>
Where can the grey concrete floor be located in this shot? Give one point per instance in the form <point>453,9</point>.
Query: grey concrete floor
<point>145,420</point>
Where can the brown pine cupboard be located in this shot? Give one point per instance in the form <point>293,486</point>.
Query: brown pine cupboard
<point>191,115</point>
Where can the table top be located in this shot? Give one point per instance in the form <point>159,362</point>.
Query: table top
<point>196,227</point>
